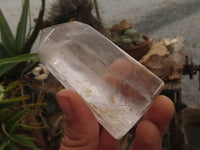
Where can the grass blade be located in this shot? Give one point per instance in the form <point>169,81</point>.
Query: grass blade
<point>22,26</point>
<point>6,33</point>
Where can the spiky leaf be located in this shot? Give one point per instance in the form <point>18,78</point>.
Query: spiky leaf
<point>21,29</point>
<point>30,40</point>
<point>6,34</point>
<point>4,114</point>
<point>13,146</point>
<point>8,63</point>
<point>3,145</point>
<point>4,68</point>
<point>12,120</point>
<point>13,127</point>
<point>4,51</point>
<point>25,141</point>
<point>18,139</point>
<point>2,136</point>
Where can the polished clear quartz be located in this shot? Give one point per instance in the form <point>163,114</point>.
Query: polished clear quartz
<point>116,87</point>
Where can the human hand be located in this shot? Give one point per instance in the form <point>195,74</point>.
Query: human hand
<point>84,133</point>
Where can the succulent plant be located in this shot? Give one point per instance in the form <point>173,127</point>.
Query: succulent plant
<point>131,38</point>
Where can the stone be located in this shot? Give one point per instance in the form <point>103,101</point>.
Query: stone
<point>116,87</point>
<point>164,67</point>
<point>157,48</point>
<point>122,26</point>
<point>166,58</point>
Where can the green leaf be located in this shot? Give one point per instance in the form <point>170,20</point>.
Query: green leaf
<point>30,40</point>
<point>13,128</point>
<point>3,145</point>
<point>19,139</point>
<point>21,29</point>
<point>1,137</point>
<point>4,114</point>
<point>4,68</point>
<point>12,101</point>
<point>16,117</point>
<point>13,146</point>
<point>30,66</point>
<point>6,34</point>
<point>4,51</point>
<point>25,141</point>
<point>8,63</point>
<point>20,58</point>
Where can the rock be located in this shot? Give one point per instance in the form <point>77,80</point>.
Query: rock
<point>164,67</point>
<point>168,41</point>
<point>166,58</point>
<point>123,25</point>
<point>157,48</point>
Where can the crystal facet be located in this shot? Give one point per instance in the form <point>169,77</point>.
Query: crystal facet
<point>116,87</point>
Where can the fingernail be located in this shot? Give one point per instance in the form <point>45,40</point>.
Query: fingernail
<point>65,106</point>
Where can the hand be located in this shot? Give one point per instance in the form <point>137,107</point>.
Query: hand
<point>84,133</point>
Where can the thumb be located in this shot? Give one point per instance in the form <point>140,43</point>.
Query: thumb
<point>82,128</point>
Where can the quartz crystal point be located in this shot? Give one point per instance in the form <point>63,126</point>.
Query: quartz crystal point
<point>116,87</point>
